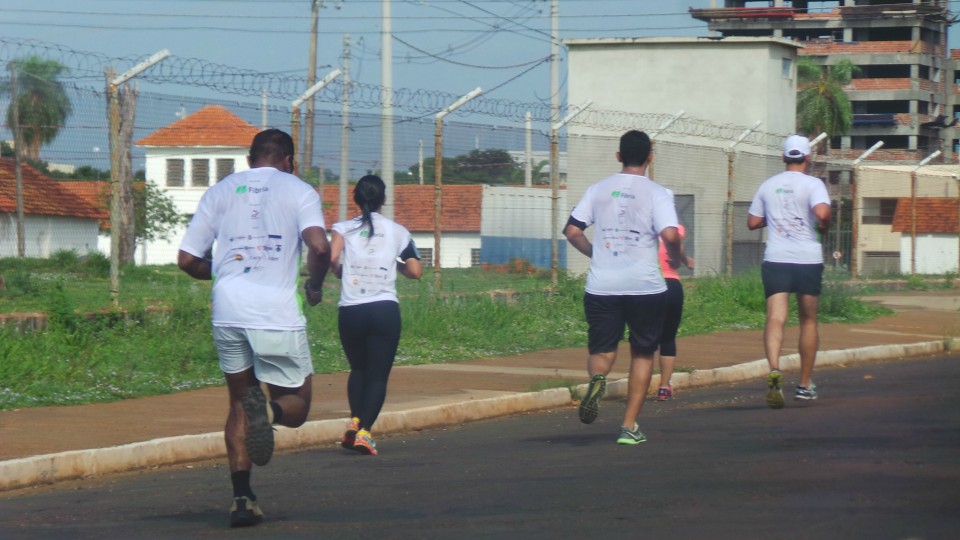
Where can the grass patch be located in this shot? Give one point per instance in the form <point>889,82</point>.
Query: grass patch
<point>92,352</point>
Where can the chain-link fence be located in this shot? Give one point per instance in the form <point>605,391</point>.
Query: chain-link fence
<point>889,217</point>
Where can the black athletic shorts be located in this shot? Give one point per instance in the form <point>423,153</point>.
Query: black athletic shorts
<point>607,316</point>
<point>791,278</point>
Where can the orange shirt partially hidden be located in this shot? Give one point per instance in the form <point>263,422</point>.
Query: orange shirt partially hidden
<point>669,273</point>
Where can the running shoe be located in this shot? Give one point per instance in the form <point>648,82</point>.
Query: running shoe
<point>590,404</point>
<point>775,390</point>
<point>363,443</point>
<point>631,437</point>
<point>259,439</point>
<point>665,393</point>
<point>806,393</point>
<point>245,512</point>
<point>350,434</point>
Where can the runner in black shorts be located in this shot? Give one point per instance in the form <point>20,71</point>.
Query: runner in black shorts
<point>795,209</point>
<point>791,278</point>
<point>624,288</point>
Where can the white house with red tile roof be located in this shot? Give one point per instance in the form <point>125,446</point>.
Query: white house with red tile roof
<point>185,158</point>
<point>55,219</point>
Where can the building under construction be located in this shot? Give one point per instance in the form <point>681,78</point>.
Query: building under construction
<point>904,92</point>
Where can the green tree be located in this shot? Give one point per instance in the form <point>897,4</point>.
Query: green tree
<point>155,214</point>
<point>42,104</point>
<point>822,104</point>
<point>477,167</point>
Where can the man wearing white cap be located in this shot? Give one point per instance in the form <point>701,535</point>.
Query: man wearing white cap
<point>795,209</point>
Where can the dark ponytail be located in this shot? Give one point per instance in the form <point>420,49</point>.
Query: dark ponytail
<point>369,194</point>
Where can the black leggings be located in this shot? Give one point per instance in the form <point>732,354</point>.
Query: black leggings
<point>672,313</point>
<point>369,334</point>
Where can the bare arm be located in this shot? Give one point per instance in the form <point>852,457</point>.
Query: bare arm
<point>318,262</point>
<point>578,239</point>
<point>336,254</point>
<point>411,268</point>
<point>755,222</point>
<point>673,242</point>
<point>822,213</point>
<point>194,266</point>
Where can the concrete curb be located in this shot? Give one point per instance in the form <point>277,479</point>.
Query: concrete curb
<point>50,468</point>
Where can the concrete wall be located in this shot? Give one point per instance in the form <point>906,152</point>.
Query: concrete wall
<point>45,235</point>
<point>709,80</point>
<point>515,223</point>
<point>454,247</point>
<point>733,81</point>
<point>936,254</point>
<point>187,197</point>
<point>893,181</point>
<point>184,198</point>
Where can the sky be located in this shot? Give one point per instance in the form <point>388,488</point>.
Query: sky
<point>447,45</point>
<point>440,47</point>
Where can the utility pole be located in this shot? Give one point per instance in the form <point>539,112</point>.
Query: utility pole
<point>730,205</point>
<point>554,61</point>
<point>117,218</point>
<point>386,127</point>
<point>18,172</point>
<point>555,189</point>
<point>857,209</point>
<point>306,150</point>
<point>438,182</point>
<point>345,133</point>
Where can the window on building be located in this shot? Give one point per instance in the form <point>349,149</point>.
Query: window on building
<point>883,71</point>
<point>199,172</point>
<point>786,68</point>
<point>923,107</point>
<point>426,256</point>
<point>877,211</point>
<point>474,257</point>
<point>224,168</point>
<point>175,173</point>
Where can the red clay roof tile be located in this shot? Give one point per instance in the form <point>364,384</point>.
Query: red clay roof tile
<point>41,195</point>
<point>211,126</point>
<point>937,215</point>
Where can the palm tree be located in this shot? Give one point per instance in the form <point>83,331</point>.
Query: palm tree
<point>822,105</point>
<point>42,103</point>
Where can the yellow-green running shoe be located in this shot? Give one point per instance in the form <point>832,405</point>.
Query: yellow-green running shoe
<point>634,436</point>
<point>590,404</point>
<point>775,390</point>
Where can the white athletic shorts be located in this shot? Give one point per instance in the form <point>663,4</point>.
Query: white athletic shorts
<point>278,357</point>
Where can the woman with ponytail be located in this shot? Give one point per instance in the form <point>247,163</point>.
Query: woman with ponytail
<point>366,254</point>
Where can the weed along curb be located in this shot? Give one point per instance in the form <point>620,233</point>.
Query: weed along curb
<point>50,468</point>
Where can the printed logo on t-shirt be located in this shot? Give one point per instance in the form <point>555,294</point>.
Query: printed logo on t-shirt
<point>622,195</point>
<point>244,189</point>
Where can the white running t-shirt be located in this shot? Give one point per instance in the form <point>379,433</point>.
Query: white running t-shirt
<point>370,262</point>
<point>630,212</point>
<point>786,201</point>
<point>256,218</point>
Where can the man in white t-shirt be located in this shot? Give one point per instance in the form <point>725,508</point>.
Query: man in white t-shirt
<point>260,220</point>
<point>624,286</point>
<point>795,209</point>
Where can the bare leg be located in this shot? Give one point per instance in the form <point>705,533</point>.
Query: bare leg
<point>777,308</point>
<point>809,336</point>
<point>295,402</point>
<point>666,369</point>
<point>641,371</point>
<point>601,363</point>
<point>235,430</point>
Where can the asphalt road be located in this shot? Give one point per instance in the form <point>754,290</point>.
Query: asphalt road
<point>875,457</point>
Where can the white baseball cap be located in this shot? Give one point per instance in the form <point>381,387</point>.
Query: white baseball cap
<point>796,146</point>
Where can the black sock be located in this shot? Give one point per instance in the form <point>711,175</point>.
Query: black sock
<point>241,485</point>
<point>277,412</point>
